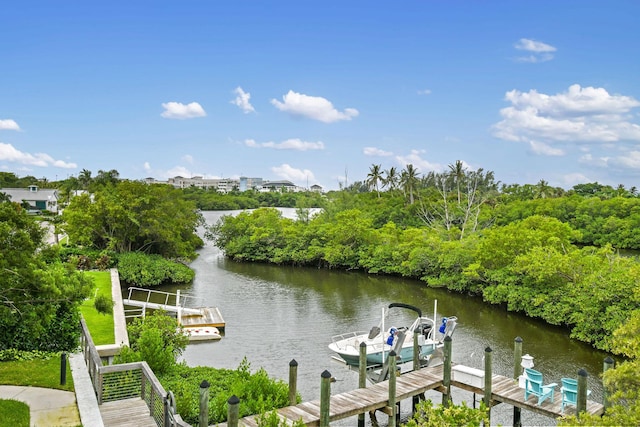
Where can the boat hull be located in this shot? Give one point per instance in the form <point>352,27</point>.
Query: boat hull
<point>374,357</point>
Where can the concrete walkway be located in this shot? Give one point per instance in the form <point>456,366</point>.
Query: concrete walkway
<point>48,407</point>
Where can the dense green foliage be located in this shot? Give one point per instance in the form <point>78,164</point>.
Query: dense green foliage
<point>257,392</point>
<point>138,269</point>
<point>38,301</point>
<point>212,200</point>
<point>157,339</point>
<point>427,415</point>
<point>14,413</point>
<point>134,217</point>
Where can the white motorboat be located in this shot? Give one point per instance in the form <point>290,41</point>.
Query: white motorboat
<point>380,342</point>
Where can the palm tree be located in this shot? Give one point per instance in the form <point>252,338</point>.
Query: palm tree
<point>391,178</point>
<point>374,177</point>
<point>409,180</point>
<point>542,189</point>
<point>458,173</point>
<point>84,178</point>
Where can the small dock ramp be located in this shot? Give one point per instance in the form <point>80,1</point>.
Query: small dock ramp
<point>188,310</point>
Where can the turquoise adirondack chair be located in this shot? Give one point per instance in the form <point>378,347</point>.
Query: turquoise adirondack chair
<point>535,387</point>
<point>569,391</point>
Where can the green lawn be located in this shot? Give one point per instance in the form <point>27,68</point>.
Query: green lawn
<point>36,373</point>
<point>100,325</point>
<point>14,414</point>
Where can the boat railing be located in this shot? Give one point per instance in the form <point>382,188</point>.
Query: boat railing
<point>340,337</point>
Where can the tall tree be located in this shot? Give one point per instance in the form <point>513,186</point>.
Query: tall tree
<point>391,178</point>
<point>458,173</point>
<point>374,178</point>
<point>38,302</point>
<point>134,216</point>
<point>409,180</point>
<point>84,178</point>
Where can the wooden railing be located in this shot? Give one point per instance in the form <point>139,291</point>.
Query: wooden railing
<point>129,380</point>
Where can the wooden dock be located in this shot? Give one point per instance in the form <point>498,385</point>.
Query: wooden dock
<point>175,303</point>
<point>208,316</point>
<point>126,413</point>
<point>376,397</point>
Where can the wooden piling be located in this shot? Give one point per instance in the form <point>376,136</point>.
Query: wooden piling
<point>325,397</point>
<point>416,365</point>
<point>517,371</point>
<point>581,403</point>
<point>608,364</point>
<point>293,382</point>
<point>392,388</point>
<point>488,375</point>
<point>362,376</point>
<point>233,411</point>
<point>446,376</point>
<point>203,419</point>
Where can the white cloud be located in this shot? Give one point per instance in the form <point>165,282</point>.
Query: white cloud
<point>313,107</point>
<point>188,158</point>
<point>415,159</point>
<point>9,153</point>
<point>424,92</point>
<point>292,174</point>
<point>178,171</point>
<point>147,167</point>
<point>534,46</point>
<point>177,110</point>
<point>242,100</point>
<point>289,144</point>
<point>545,149</point>
<point>579,115</point>
<point>9,124</point>
<point>373,151</point>
<point>539,52</point>
<point>572,179</point>
<point>626,162</point>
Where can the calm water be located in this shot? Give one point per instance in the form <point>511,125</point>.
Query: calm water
<point>276,314</point>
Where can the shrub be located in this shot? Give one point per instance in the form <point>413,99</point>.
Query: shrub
<point>144,270</point>
<point>103,304</point>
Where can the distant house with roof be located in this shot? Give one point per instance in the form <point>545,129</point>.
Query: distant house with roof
<point>40,199</point>
<point>280,186</point>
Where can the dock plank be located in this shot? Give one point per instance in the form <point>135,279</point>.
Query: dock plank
<point>126,413</point>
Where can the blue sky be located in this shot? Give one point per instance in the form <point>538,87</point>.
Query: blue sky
<point>318,91</point>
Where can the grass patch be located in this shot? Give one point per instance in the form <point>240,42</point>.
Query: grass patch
<point>100,325</point>
<point>35,373</point>
<point>14,414</point>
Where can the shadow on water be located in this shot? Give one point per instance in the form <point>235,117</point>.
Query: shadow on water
<point>275,314</point>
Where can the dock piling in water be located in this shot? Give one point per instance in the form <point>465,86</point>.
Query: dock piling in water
<point>325,397</point>
<point>488,380</point>
<point>293,382</point>
<point>517,371</point>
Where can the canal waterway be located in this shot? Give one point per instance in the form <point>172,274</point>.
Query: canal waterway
<point>275,314</point>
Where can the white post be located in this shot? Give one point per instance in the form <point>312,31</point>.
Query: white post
<point>384,353</point>
<point>178,298</point>
<point>435,324</point>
